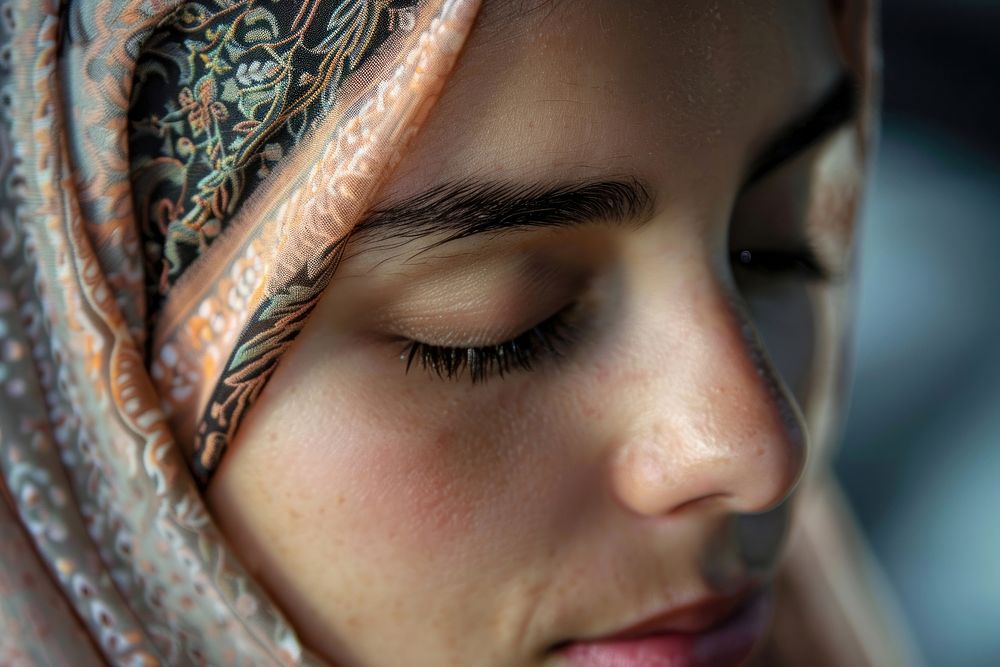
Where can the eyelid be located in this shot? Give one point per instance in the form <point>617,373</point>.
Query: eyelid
<point>495,305</point>
<point>547,340</point>
<point>804,261</point>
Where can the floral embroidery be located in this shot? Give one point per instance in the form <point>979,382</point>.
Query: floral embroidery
<point>204,109</point>
<point>223,91</point>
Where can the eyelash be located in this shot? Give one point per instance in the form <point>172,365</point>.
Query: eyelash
<point>801,263</point>
<point>549,339</point>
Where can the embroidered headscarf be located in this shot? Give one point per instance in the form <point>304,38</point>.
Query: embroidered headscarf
<point>177,182</point>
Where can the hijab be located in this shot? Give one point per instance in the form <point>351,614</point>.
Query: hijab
<point>177,183</point>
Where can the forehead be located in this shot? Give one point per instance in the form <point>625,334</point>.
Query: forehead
<point>559,88</point>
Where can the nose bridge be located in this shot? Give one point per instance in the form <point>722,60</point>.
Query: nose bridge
<point>712,421</point>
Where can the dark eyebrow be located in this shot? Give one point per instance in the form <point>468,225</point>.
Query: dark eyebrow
<point>464,208</point>
<point>837,107</point>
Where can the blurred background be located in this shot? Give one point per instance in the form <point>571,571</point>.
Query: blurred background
<point>921,457</point>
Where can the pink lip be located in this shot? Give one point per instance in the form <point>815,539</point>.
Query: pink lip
<point>727,643</point>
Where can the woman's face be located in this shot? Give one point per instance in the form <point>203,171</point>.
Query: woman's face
<point>564,380</point>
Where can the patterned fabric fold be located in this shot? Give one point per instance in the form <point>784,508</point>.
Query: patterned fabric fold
<point>213,156</point>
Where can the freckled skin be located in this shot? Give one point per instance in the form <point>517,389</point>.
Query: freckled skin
<point>395,514</point>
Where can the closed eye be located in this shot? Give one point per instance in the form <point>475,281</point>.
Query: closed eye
<point>802,263</point>
<point>545,341</point>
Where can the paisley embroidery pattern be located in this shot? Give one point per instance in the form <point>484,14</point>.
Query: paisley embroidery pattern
<point>224,90</point>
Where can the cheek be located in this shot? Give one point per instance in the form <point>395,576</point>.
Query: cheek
<point>403,464</point>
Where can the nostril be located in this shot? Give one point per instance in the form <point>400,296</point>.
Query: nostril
<point>701,502</point>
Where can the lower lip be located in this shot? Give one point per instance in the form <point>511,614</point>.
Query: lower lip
<point>725,645</point>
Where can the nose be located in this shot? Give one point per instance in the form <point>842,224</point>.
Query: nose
<point>709,422</point>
